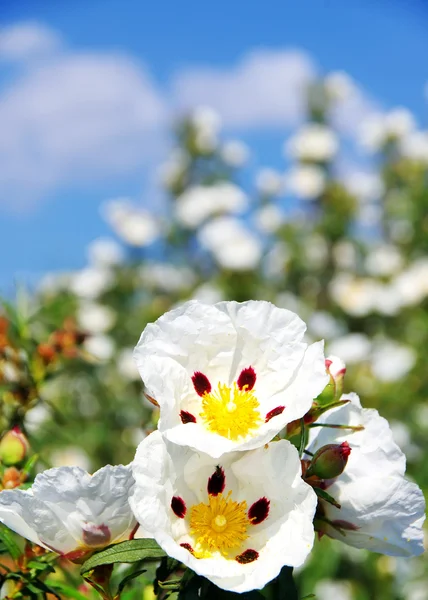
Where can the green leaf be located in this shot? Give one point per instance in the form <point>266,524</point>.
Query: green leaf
<point>7,537</point>
<point>324,496</point>
<point>126,552</point>
<point>66,589</point>
<point>129,578</point>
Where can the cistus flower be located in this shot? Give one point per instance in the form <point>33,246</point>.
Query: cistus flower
<point>13,447</point>
<point>71,512</point>
<point>229,376</point>
<point>236,520</point>
<point>380,510</point>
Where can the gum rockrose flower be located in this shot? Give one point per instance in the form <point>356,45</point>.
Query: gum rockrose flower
<point>71,512</point>
<point>236,520</point>
<point>229,376</point>
<point>380,509</point>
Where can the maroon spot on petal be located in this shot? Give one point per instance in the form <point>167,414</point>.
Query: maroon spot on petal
<point>187,417</point>
<point>201,383</point>
<point>178,506</point>
<point>247,379</point>
<point>247,556</point>
<point>274,413</point>
<point>345,525</point>
<point>216,482</point>
<point>187,547</point>
<point>259,511</point>
<point>76,556</point>
<point>96,535</point>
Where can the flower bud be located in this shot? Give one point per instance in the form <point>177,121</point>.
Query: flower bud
<point>11,478</point>
<point>8,588</point>
<point>336,368</point>
<point>330,461</point>
<point>13,447</point>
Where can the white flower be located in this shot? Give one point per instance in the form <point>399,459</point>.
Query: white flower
<point>70,456</point>
<point>234,153</point>
<point>315,251</point>
<point>126,364</point>
<point>229,376</point>
<point>355,296</point>
<point>199,202</point>
<point>365,186</point>
<point>101,347</point>
<point>321,324</point>
<point>71,512</point>
<point>337,590</point>
<point>378,128</point>
<point>95,318</point>
<point>207,125</point>
<point>339,85</point>
<point>91,282</point>
<point>313,142</point>
<point>415,146</point>
<point>166,276</point>
<point>208,293</point>
<point>391,361</point>
<point>105,252</point>
<point>236,521</point>
<point>233,245</point>
<point>174,168</point>
<point>345,255</point>
<point>384,260</point>
<point>352,348</point>
<point>269,218</point>
<point>380,509</point>
<point>269,182</point>
<point>412,284</point>
<point>135,226</point>
<point>305,181</point>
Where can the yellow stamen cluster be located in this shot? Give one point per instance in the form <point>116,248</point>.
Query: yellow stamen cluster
<point>231,412</point>
<point>219,526</point>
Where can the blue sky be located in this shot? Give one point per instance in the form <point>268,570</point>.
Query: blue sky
<point>49,212</point>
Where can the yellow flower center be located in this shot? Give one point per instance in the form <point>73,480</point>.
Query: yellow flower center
<point>231,412</point>
<point>219,526</point>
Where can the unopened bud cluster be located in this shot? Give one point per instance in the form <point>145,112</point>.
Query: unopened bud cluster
<point>14,449</point>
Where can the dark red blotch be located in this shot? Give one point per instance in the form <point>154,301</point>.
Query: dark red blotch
<point>187,546</point>
<point>201,383</point>
<point>187,417</point>
<point>216,482</point>
<point>178,506</point>
<point>259,510</point>
<point>274,413</point>
<point>247,556</point>
<point>247,379</point>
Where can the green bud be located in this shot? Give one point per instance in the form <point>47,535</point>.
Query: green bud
<point>13,447</point>
<point>330,461</point>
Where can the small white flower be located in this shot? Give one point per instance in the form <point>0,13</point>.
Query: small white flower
<point>91,282</point>
<point>339,85</point>
<point>323,325</point>
<point>415,146</point>
<point>199,202</point>
<point>269,182</point>
<point>380,510</point>
<point>305,181</point>
<point>236,521</point>
<point>365,186</point>
<point>269,218</point>
<point>352,348</point>
<point>71,512</point>
<point>229,376</point>
<point>166,276</point>
<point>391,361</point>
<point>174,168</point>
<point>233,246</point>
<point>105,252</point>
<point>100,346</point>
<point>356,296</point>
<point>135,226</point>
<point>126,364</point>
<point>384,260</point>
<point>95,318</point>
<point>208,293</point>
<point>234,153</point>
<point>70,456</point>
<point>313,142</point>
<point>328,589</point>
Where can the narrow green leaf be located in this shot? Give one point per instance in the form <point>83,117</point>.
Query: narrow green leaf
<point>6,536</point>
<point>303,437</point>
<point>129,578</point>
<point>324,496</point>
<point>126,552</point>
<point>66,589</point>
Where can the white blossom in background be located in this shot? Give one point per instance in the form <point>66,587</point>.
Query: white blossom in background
<point>269,182</point>
<point>369,215</point>
<point>327,589</point>
<point>345,255</point>
<point>166,276</point>
<point>323,325</point>
<point>415,146</point>
<point>199,202</point>
<point>378,128</point>
<point>71,512</point>
<point>234,153</point>
<point>91,282</point>
<point>391,361</point>
<point>380,510</point>
<point>126,364</point>
<point>387,301</point>
<point>315,251</point>
<point>412,283</point>
<point>208,293</point>
<point>231,243</point>
<point>402,437</point>
<point>269,218</point>
<point>105,252</point>
<point>356,296</point>
<point>173,169</point>
<point>207,124</point>
<point>70,456</point>
<point>352,348</point>
<point>95,318</point>
<point>339,85</point>
<point>36,417</point>
<point>313,142</point>
<point>229,376</point>
<point>134,226</point>
<point>384,260</point>
<point>305,181</point>
<point>236,520</point>
<point>364,185</point>
<point>54,283</point>
<point>100,347</point>
<point>275,262</point>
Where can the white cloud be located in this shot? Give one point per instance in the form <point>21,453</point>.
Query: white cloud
<point>267,88</point>
<point>26,41</point>
<point>72,119</point>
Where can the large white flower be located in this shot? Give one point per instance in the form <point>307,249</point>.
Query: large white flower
<point>236,521</point>
<point>229,376</point>
<point>71,512</point>
<point>380,510</point>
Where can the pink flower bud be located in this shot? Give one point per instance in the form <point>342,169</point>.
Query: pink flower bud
<point>336,368</point>
<point>13,447</point>
<point>330,461</point>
